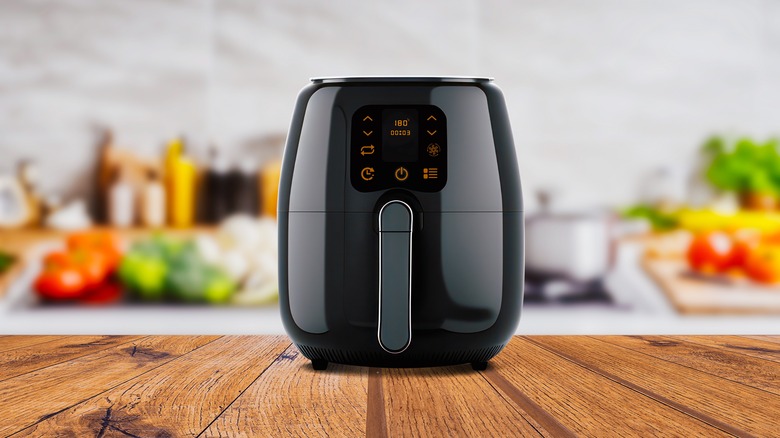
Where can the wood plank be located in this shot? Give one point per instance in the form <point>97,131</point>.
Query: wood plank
<point>539,418</point>
<point>376,418</point>
<point>26,399</point>
<point>728,405</point>
<point>766,338</point>
<point>751,371</point>
<point>736,344</point>
<point>291,399</point>
<point>25,359</point>
<point>14,342</point>
<point>586,402</point>
<point>180,398</point>
<point>449,401</point>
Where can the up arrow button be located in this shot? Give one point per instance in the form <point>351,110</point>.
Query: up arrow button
<point>431,118</point>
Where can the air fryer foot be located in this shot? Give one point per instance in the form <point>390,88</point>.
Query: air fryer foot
<point>319,364</point>
<point>479,366</point>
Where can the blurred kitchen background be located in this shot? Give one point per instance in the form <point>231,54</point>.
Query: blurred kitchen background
<point>139,148</point>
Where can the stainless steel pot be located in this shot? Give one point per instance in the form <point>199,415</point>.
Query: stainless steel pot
<point>573,246</point>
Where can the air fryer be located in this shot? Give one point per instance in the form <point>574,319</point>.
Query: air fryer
<point>400,222</point>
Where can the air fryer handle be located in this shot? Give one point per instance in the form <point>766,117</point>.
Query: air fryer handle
<point>395,276</point>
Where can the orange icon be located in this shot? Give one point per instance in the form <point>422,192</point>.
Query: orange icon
<point>367,150</point>
<point>367,173</point>
<point>368,119</point>
<point>431,117</point>
<point>433,149</point>
<point>431,173</point>
<point>431,133</point>
<point>401,174</point>
<point>368,133</point>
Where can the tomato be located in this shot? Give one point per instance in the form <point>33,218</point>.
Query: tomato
<point>711,252</point>
<point>763,264</point>
<point>94,239</point>
<point>94,266</point>
<point>62,283</point>
<point>56,259</point>
<point>105,293</point>
<point>745,241</point>
<point>105,242</point>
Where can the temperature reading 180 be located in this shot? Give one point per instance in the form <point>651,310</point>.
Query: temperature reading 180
<point>400,132</point>
<point>401,123</point>
<point>400,135</point>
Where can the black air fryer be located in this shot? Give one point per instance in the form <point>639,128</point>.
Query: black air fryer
<point>400,222</point>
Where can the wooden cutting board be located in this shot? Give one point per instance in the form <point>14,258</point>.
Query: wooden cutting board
<point>693,294</point>
<point>8,277</point>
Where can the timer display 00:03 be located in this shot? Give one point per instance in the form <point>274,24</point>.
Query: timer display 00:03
<point>400,132</point>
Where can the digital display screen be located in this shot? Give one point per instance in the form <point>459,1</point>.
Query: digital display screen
<point>400,136</point>
<point>398,146</point>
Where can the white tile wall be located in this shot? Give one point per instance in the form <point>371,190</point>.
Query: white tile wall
<point>600,92</point>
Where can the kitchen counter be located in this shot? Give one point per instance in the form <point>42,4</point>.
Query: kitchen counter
<point>640,307</point>
<point>262,386</point>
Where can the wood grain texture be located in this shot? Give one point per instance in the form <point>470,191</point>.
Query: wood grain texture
<point>291,399</point>
<point>728,405</point>
<point>376,417</point>
<point>449,401</point>
<point>29,398</point>
<point>761,349</point>
<point>765,338</point>
<point>14,342</point>
<point>555,386</point>
<point>33,357</point>
<point>586,402</point>
<point>751,371</point>
<point>182,397</point>
<point>540,419</point>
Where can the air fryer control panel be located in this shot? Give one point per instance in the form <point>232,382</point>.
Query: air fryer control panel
<point>398,146</point>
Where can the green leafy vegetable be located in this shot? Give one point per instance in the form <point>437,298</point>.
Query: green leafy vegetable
<point>744,167</point>
<point>660,220</point>
<point>6,261</point>
<point>161,267</point>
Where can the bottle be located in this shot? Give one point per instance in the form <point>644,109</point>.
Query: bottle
<point>28,176</point>
<point>121,200</point>
<point>216,197</point>
<point>104,166</point>
<point>269,188</point>
<point>242,188</point>
<point>180,183</point>
<point>153,201</point>
<point>14,210</point>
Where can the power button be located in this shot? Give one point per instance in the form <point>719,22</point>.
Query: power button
<point>401,174</point>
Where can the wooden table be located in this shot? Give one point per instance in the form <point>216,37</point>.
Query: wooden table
<point>261,386</point>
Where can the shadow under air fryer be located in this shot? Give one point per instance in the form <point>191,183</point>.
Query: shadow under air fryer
<point>400,222</point>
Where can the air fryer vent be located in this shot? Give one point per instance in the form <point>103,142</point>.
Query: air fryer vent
<point>405,359</point>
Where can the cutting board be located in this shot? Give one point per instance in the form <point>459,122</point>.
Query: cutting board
<point>693,294</point>
<point>8,277</point>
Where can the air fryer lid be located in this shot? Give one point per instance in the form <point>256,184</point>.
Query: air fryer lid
<point>429,137</point>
